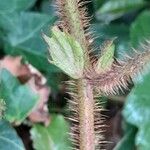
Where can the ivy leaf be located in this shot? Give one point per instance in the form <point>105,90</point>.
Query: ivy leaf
<point>23,37</point>
<point>137,112</point>
<point>140,29</point>
<point>113,9</point>
<point>53,137</point>
<point>9,138</point>
<point>19,99</point>
<point>9,6</point>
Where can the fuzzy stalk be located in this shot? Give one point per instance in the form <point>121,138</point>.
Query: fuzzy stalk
<point>73,18</point>
<point>86,115</point>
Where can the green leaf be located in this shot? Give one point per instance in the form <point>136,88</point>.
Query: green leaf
<point>137,111</point>
<point>9,138</point>
<point>98,3</point>
<point>53,137</point>
<point>9,6</point>
<point>24,4</point>
<point>143,136</point>
<point>19,99</point>
<point>107,57</point>
<point>113,9</point>
<point>5,6</point>
<point>140,29</point>
<point>66,53</point>
<point>23,37</point>
<point>119,31</point>
<point>47,6</point>
<point>128,140</point>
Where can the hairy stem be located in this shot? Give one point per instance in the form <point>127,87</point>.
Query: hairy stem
<point>74,22</point>
<point>84,90</point>
<point>73,18</point>
<point>86,116</point>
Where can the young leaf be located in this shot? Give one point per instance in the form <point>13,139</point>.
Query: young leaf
<point>66,53</point>
<point>53,137</point>
<point>19,99</point>
<point>111,31</point>
<point>107,57</point>
<point>9,138</point>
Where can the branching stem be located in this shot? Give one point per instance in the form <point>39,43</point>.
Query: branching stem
<point>73,16</point>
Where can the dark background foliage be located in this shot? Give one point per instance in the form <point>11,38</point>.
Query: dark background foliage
<point>22,23</point>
